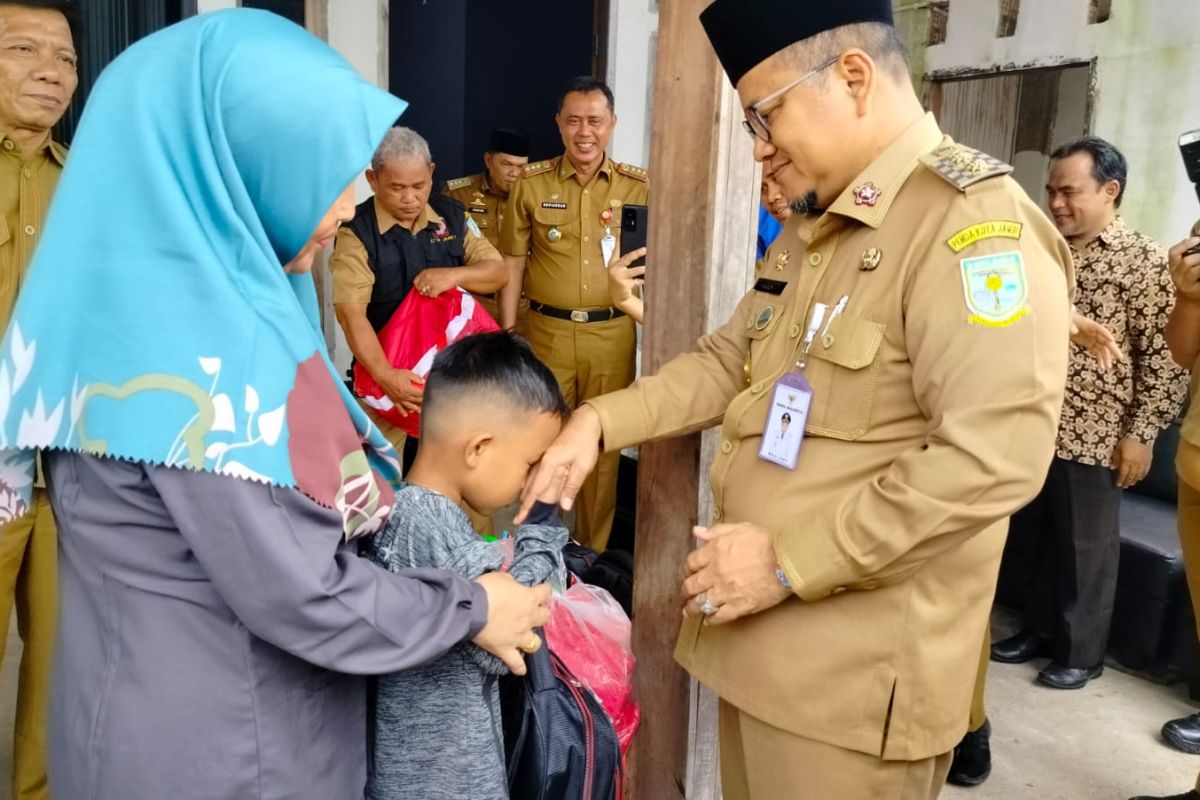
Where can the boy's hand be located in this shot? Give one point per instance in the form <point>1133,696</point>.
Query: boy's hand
<point>513,612</point>
<point>559,475</point>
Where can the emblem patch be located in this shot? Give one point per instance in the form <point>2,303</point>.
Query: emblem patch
<point>554,234</point>
<point>867,195</point>
<point>995,288</point>
<point>472,227</point>
<point>764,318</point>
<point>992,229</point>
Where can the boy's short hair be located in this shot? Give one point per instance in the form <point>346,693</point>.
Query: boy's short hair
<point>498,364</point>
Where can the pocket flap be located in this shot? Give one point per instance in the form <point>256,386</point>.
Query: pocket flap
<point>851,342</point>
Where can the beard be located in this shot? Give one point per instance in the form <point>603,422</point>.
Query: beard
<point>806,205</point>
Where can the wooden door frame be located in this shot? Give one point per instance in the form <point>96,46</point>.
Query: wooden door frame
<point>935,79</point>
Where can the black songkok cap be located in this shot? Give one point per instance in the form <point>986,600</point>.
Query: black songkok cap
<point>506,140</point>
<point>746,33</point>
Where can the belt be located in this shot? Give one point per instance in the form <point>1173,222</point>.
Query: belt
<point>576,314</point>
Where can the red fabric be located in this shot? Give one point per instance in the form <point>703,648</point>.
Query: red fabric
<point>420,328</point>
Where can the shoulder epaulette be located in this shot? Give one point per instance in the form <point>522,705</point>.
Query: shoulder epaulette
<point>458,183</point>
<point>633,172</point>
<point>962,166</point>
<point>538,167</point>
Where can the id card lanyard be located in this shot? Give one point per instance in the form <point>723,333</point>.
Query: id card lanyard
<point>791,399</point>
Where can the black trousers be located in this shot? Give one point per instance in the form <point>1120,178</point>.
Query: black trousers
<point>1072,531</point>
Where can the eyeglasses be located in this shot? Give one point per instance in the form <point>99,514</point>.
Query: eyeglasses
<point>756,124</point>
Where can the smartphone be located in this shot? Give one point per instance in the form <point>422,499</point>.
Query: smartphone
<point>634,222</point>
<point>1189,148</point>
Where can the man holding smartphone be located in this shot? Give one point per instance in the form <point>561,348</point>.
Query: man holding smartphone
<point>1183,337</point>
<point>558,232</point>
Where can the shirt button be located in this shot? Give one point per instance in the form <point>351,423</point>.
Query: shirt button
<point>585,191</point>
<point>587,238</point>
<point>814,259</point>
<point>29,230</point>
<point>585,287</point>
<point>794,331</point>
<point>726,447</point>
<point>585,262</point>
<point>717,514</point>
<point>27,172</point>
<point>8,145</point>
<point>756,388</point>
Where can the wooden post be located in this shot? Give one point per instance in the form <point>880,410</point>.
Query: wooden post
<point>702,232</point>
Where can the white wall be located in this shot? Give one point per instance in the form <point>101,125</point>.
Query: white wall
<point>1147,84</point>
<point>632,31</point>
<point>215,5</point>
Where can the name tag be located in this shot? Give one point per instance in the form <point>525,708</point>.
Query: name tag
<point>477,209</point>
<point>769,286</point>
<point>561,206</point>
<point>784,431</point>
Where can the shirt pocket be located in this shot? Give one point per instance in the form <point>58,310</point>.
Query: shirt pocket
<point>845,377</point>
<point>546,220</point>
<point>766,314</point>
<point>445,252</point>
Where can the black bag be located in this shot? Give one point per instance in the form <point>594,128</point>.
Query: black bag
<point>611,570</point>
<point>559,743</point>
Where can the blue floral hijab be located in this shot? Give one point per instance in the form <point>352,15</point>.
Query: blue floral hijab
<point>156,323</point>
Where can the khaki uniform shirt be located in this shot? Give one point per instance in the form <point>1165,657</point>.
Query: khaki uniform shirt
<point>1125,285</point>
<point>484,205</point>
<point>559,222</point>
<point>352,275</point>
<point>936,401</point>
<point>26,186</point>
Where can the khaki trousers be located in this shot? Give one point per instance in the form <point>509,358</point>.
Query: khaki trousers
<point>482,523</point>
<point>492,306</point>
<point>978,709</point>
<point>29,579</point>
<point>762,762</point>
<point>1188,517</point>
<point>589,359</point>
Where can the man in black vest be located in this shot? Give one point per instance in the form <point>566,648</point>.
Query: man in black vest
<point>403,238</point>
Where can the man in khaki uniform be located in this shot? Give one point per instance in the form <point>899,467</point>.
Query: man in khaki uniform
<point>484,196</point>
<point>561,225</point>
<point>401,239</point>
<point>37,80</point>
<point>913,317</point>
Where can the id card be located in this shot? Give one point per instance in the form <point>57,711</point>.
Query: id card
<point>784,432</point>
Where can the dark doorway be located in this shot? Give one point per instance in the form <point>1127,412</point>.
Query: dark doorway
<point>467,67</point>
<point>105,30</point>
<point>291,9</point>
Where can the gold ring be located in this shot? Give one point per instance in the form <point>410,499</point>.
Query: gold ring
<point>534,645</point>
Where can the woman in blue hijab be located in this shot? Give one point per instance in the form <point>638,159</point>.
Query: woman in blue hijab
<point>208,470</point>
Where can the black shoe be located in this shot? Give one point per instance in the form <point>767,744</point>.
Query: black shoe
<point>1183,734</point>
<point>1192,795</point>
<point>1056,676</point>
<point>1023,647</point>
<point>972,758</point>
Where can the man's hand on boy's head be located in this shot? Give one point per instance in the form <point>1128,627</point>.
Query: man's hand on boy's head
<point>404,387</point>
<point>565,464</point>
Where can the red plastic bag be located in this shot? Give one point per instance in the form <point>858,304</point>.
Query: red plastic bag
<point>420,328</point>
<point>591,634</point>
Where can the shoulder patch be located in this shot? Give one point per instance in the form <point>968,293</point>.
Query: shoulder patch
<point>458,183</point>
<point>633,172</point>
<point>538,167</point>
<point>962,166</point>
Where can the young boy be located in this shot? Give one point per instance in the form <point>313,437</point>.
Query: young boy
<point>491,409</point>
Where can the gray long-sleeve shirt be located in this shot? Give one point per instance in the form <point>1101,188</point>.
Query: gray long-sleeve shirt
<point>437,732</point>
<point>206,626</point>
